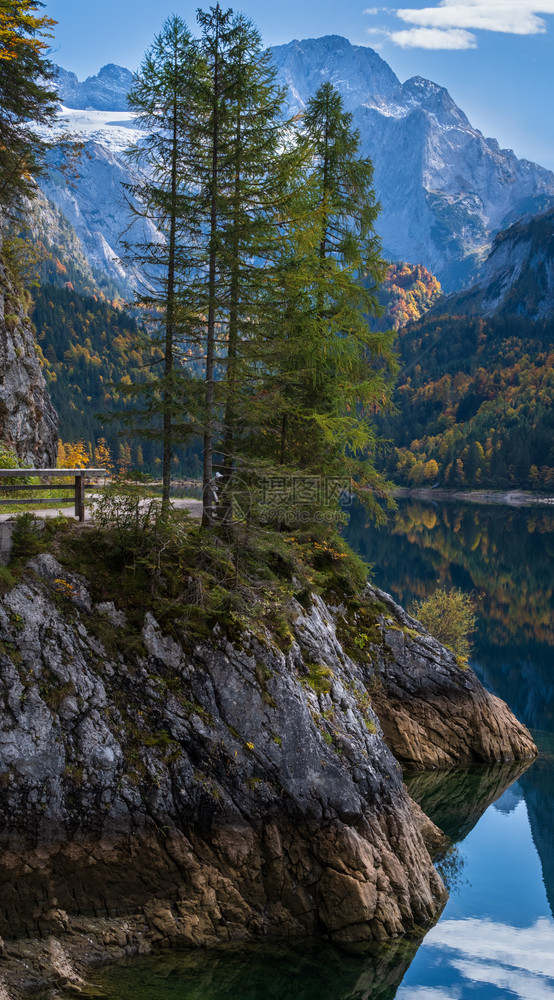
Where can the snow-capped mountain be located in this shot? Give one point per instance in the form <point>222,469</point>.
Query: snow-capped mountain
<point>92,197</point>
<point>445,190</point>
<point>107,91</point>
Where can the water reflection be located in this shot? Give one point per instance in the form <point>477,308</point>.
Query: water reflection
<point>505,558</point>
<point>505,555</point>
<point>456,800</point>
<point>489,956</point>
<point>538,789</point>
<point>264,972</point>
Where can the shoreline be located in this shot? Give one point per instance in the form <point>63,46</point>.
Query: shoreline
<point>510,498</point>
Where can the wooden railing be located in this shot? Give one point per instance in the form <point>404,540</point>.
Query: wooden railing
<point>79,476</point>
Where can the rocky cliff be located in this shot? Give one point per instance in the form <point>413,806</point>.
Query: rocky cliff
<point>156,791</point>
<point>517,278</point>
<point>28,421</point>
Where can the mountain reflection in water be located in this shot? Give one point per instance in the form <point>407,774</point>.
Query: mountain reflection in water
<point>496,935</point>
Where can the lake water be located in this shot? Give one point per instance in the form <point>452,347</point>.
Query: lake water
<point>495,939</point>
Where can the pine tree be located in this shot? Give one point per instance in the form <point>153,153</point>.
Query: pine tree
<point>255,203</point>
<point>332,372</point>
<point>160,102</point>
<point>234,165</point>
<point>26,95</point>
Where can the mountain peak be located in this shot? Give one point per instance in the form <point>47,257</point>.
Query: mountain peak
<point>434,99</point>
<point>356,70</point>
<point>107,91</point>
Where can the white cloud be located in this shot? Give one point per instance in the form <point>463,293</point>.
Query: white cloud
<point>518,17</point>
<point>433,38</point>
<point>519,961</point>
<point>425,993</point>
<point>526,948</point>
<point>518,984</point>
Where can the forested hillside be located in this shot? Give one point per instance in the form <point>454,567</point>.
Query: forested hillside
<point>407,293</point>
<point>90,347</point>
<point>475,401</point>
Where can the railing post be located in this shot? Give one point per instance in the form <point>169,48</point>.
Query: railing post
<point>80,495</point>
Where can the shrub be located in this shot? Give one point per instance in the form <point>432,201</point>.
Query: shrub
<point>449,615</point>
<point>129,511</point>
<point>26,538</point>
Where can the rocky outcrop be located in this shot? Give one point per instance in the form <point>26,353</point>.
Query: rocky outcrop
<point>157,791</point>
<point>107,90</point>
<point>28,421</point>
<point>434,711</point>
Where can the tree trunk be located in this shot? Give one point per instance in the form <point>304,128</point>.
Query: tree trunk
<point>208,495</point>
<point>170,323</point>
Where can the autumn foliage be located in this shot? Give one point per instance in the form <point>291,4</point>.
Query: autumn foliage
<point>475,401</point>
<point>26,76</point>
<point>406,294</point>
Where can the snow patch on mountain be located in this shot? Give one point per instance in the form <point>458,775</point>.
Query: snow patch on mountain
<point>445,190</point>
<point>92,197</point>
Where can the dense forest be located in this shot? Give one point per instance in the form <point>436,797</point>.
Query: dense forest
<point>474,404</point>
<point>406,294</point>
<point>92,350</point>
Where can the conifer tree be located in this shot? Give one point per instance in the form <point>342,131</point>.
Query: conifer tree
<point>234,164</point>
<point>160,102</point>
<point>333,372</point>
<point>255,202</point>
<point>216,39</point>
<point>26,95</point>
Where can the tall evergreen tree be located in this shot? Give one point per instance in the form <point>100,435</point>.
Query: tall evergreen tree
<point>215,43</point>
<point>268,266</point>
<point>234,165</point>
<point>160,102</point>
<point>26,95</point>
<point>331,372</point>
<point>255,203</point>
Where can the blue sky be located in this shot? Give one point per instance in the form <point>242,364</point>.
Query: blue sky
<point>496,57</point>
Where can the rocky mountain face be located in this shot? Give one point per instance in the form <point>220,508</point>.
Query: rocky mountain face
<point>92,196</point>
<point>164,792</point>
<point>107,91</point>
<point>28,421</point>
<point>445,189</point>
<point>517,279</point>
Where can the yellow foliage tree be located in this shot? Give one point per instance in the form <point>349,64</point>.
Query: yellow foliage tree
<point>25,76</point>
<point>103,456</point>
<point>73,455</point>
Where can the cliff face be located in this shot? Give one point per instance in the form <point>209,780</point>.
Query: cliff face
<point>161,792</point>
<point>28,421</point>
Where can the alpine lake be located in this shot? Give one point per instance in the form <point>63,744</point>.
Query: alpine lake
<point>495,938</point>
